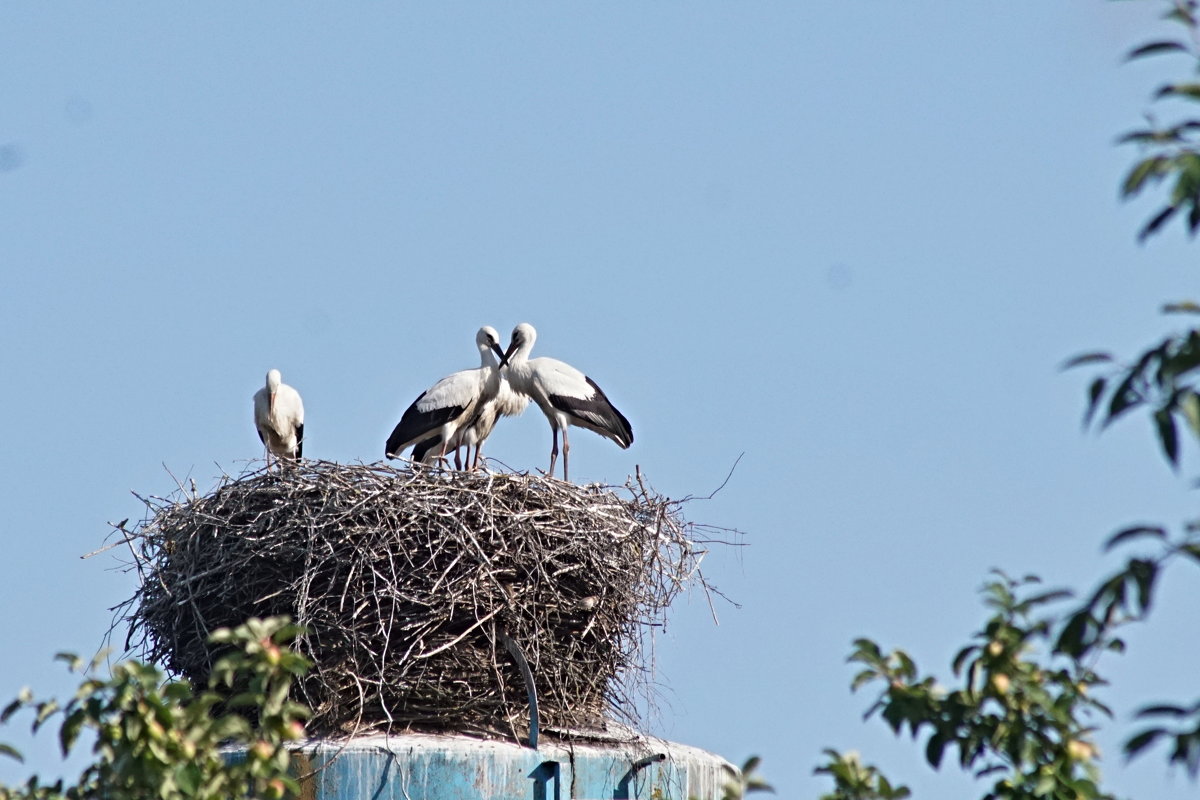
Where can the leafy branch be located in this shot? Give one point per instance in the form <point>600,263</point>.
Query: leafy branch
<point>1172,151</point>
<point>1019,710</point>
<point>854,780</point>
<point>161,740</point>
<point>1163,380</point>
<point>1128,595</point>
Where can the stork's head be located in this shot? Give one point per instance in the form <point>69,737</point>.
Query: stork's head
<point>523,337</point>
<point>274,379</point>
<point>489,339</point>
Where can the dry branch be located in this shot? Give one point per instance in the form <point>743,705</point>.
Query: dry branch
<point>404,581</point>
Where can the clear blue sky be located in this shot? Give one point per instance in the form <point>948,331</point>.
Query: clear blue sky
<point>850,240</point>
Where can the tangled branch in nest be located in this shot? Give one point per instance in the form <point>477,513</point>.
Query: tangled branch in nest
<point>408,582</point>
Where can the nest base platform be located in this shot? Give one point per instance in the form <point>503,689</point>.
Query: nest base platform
<point>447,767</point>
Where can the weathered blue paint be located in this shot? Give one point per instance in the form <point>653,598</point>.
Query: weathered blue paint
<point>431,767</point>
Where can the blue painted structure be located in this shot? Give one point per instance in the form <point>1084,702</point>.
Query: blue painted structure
<point>445,767</point>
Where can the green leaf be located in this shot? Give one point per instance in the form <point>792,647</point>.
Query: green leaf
<point>1182,307</point>
<point>1156,222</point>
<point>1071,640</point>
<point>934,749</point>
<point>1086,358</point>
<point>1189,404</point>
<point>1168,437</point>
<point>864,648</point>
<point>1045,597</point>
<point>73,662</point>
<point>12,708</point>
<point>1152,168</point>
<point>862,679</point>
<point>70,729</point>
<point>1188,91</point>
<point>1140,137</point>
<point>1164,710</point>
<point>1136,532</point>
<point>1182,14</point>
<point>1137,744</point>
<point>1144,573</point>
<point>1155,48</point>
<point>11,752</point>
<point>44,710</point>
<point>188,777</point>
<point>1123,399</point>
<point>1045,785</point>
<point>962,656</point>
<point>1095,392</point>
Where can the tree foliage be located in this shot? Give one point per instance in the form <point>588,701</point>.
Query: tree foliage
<point>1128,595</point>
<point>157,739</point>
<point>1024,706</point>
<point>854,780</point>
<point>1021,712</point>
<point>1162,380</point>
<point>1171,151</point>
<point>746,781</point>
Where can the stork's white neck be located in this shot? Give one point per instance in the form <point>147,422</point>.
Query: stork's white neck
<point>526,335</point>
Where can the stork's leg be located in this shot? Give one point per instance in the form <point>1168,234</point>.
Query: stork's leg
<point>458,457</point>
<point>553,450</point>
<point>478,456</point>
<point>441,459</point>
<point>566,452</point>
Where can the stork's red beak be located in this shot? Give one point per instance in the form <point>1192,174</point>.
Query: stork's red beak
<point>272,404</point>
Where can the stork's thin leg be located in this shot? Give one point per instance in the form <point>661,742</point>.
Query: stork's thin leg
<point>553,451</point>
<point>478,456</point>
<point>458,457</point>
<point>566,453</point>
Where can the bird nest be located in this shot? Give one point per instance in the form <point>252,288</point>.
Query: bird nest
<point>417,589</point>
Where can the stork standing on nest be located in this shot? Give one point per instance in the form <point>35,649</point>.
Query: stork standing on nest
<point>565,395</point>
<point>279,418</point>
<point>506,403</point>
<point>444,411</point>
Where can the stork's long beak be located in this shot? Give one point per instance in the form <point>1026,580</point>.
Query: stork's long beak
<point>496,349</point>
<point>272,404</point>
<point>512,348</point>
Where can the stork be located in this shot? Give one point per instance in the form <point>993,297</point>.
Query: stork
<point>444,410</point>
<point>506,403</point>
<point>565,395</point>
<point>279,418</point>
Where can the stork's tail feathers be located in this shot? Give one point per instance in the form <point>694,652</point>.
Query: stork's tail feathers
<point>624,436</point>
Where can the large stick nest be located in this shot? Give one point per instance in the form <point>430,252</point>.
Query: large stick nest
<point>407,582</point>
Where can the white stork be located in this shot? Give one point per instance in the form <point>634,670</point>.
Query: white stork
<point>447,408</point>
<point>565,395</point>
<point>279,417</point>
<point>506,403</point>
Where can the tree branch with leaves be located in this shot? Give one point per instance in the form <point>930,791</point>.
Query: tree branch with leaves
<point>159,739</point>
